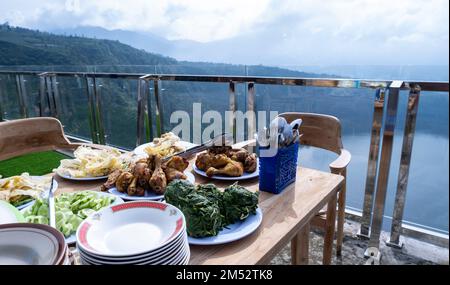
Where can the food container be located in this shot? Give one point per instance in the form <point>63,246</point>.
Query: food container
<point>279,171</point>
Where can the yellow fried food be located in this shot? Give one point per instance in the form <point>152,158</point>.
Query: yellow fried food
<point>89,162</point>
<point>168,144</point>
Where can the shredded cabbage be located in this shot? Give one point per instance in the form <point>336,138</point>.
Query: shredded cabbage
<point>89,162</point>
<point>71,210</point>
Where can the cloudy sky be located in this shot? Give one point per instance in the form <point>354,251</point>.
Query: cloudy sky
<point>304,31</point>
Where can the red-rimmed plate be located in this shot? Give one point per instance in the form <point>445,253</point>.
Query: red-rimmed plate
<point>31,244</point>
<point>130,229</point>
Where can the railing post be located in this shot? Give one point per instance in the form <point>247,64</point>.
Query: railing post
<point>22,96</point>
<point>42,92</point>
<point>385,162</point>
<point>56,99</point>
<point>49,93</point>
<point>91,111</point>
<point>98,112</point>
<point>372,166</point>
<point>143,118</point>
<point>405,162</point>
<point>159,119</point>
<point>251,108</point>
<point>232,106</point>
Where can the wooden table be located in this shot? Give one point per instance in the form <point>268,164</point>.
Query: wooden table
<point>284,216</point>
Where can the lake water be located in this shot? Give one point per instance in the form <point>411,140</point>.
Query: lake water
<point>427,194</point>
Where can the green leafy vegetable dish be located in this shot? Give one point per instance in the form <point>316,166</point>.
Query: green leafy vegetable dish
<point>207,209</point>
<point>71,210</point>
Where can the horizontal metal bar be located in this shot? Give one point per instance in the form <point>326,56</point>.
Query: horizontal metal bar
<point>288,81</point>
<point>407,230</point>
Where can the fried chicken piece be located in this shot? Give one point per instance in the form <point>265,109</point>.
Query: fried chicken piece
<point>178,163</point>
<point>123,181</point>
<point>174,168</point>
<point>219,149</point>
<point>250,163</point>
<point>140,191</point>
<point>151,162</point>
<point>143,174</point>
<point>172,174</point>
<point>232,168</point>
<point>131,191</point>
<point>158,181</point>
<point>239,154</point>
<point>219,160</point>
<point>111,182</point>
<point>203,161</point>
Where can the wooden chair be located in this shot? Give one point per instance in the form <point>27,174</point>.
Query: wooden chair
<point>324,131</point>
<point>18,137</point>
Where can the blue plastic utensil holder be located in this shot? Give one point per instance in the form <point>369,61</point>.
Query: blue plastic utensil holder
<point>279,171</point>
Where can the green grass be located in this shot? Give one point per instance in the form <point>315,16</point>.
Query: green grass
<point>38,163</point>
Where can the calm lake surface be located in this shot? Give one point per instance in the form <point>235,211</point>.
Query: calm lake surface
<point>428,184</point>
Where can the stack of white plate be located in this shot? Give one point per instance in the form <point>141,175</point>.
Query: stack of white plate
<point>140,232</point>
<point>32,244</point>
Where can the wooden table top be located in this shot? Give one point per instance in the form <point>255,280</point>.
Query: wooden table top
<point>283,216</point>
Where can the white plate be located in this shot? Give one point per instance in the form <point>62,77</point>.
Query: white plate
<point>45,193</point>
<point>140,150</point>
<point>148,194</point>
<point>34,245</point>
<point>168,256</point>
<point>150,225</point>
<point>82,178</point>
<point>244,176</point>
<point>72,238</point>
<point>233,232</point>
<point>152,255</point>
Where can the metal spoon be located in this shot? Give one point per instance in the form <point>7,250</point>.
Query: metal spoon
<point>51,204</point>
<point>295,124</point>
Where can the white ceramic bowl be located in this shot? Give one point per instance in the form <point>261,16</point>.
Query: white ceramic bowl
<point>130,229</point>
<point>31,244</point>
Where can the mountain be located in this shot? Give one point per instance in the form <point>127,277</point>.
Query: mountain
<point>84,47</point>
<point>21,46</point>
<point>145,41</point>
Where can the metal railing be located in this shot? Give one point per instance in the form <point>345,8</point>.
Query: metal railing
<point>382,134</point>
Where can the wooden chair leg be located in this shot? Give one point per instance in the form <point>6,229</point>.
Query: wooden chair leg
<point>300,247</point>
<point>340,221</point>
<point>329,231</point>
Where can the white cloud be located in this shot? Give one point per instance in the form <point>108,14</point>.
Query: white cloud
<point>292,26</point>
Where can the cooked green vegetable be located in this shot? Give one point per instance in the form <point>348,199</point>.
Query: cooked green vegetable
<point>238,203</point>
<point>71,210</point>
<point>203,216</point>
<point>207,209</point>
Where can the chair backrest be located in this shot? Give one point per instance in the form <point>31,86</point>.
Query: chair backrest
<point>23,136</point>
<point>322,131</point>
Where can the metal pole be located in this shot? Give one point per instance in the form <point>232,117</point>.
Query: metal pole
<point>405,162</point>
<point>148,117</point>
<point>98,113</point>
<point>159,120</point>
<point>251,108</point>
<point>91,111</point>
<point>142,112</point>
<point>385,162</point>
<point>372,162</point>
<point>24,96</point>
<point>21,96</point>
<point>232,97</point>
<point>48,86</point>
<point>56,99</point>
<point>42,93</point>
